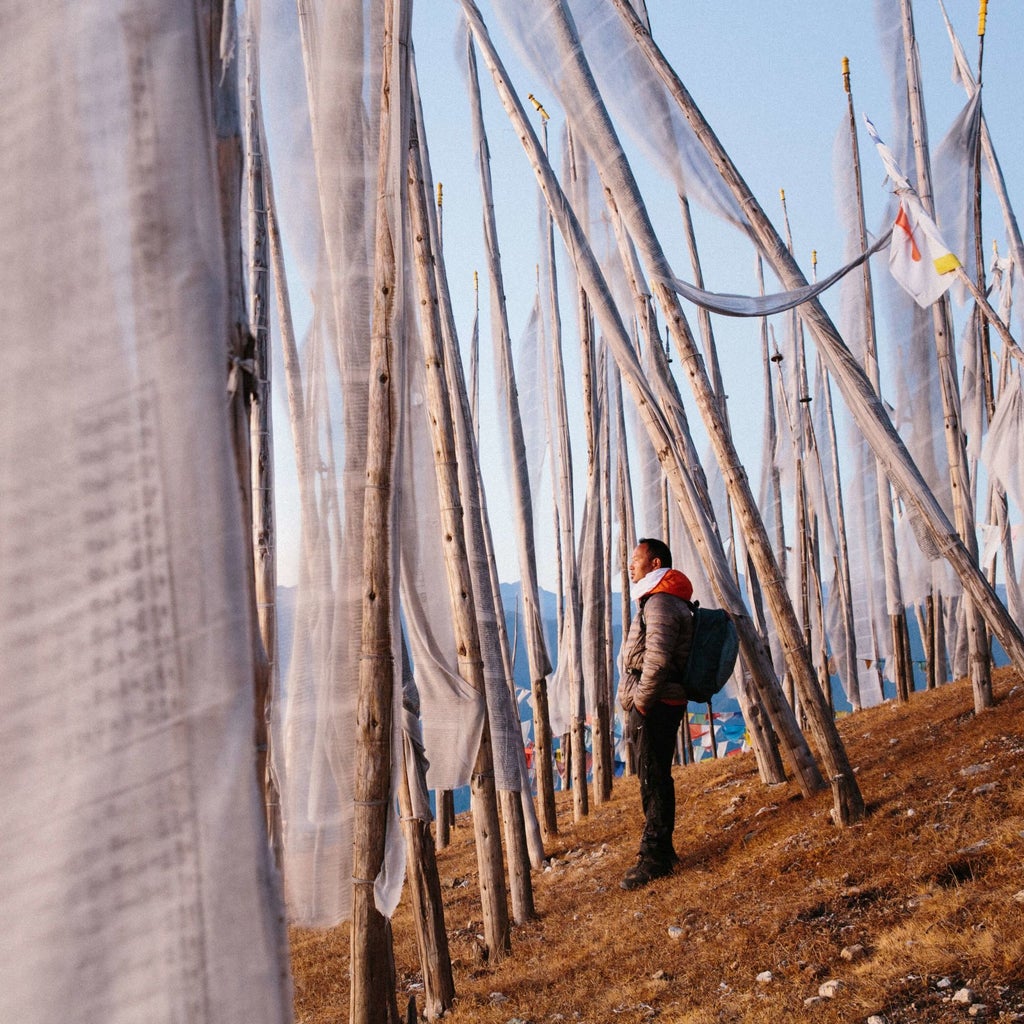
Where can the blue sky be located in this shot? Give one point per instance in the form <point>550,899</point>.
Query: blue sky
<point>768,78</point>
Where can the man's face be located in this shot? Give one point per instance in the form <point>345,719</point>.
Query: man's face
<point>641,563</point>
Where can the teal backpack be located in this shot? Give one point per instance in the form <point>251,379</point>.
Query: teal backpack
<point>712,655</point>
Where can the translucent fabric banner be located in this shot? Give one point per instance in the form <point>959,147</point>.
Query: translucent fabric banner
<point>134,859</point>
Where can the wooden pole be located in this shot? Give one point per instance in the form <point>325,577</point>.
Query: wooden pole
<point>421,870</point>
<point>903,668</point>
<point>240,344</point>
<point>607,696</point>
<point>956,449</point>
<point>627,538</point>
<point>569,637</point>
<point>536,647</point>
<point>590,571</point>
<point>261,424</point>
<point>523,844</point>
<point>372,965</point>
<point>486,824</point>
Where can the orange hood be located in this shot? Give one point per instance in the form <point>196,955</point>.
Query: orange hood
<point>673,582</point>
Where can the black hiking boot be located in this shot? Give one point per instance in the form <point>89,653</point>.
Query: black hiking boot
<point>645,871</point>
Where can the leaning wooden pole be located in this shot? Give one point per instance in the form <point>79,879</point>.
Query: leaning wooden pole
<point>618,179</point>
<point>261,423</point>
<point>486,823</point>
<point>661,434</point>
<point>860,398</point>
<point>372,995</point>
<point>536,647</point>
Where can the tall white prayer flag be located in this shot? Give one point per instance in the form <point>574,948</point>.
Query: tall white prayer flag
<point>918,257</point>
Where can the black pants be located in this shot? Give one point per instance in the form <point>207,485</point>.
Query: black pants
<point>655,747</point>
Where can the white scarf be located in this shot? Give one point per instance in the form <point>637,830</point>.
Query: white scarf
<point>646,584</point>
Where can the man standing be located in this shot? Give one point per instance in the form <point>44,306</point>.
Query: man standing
<point>652,695</point>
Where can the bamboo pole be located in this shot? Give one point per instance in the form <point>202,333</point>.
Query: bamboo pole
<point>493,894</point>
<point>661,435</point>
<point>860,398</point>
<point>372,964</point>
<point>536,648</point>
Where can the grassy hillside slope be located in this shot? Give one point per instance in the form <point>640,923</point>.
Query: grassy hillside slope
<point>903,913</point>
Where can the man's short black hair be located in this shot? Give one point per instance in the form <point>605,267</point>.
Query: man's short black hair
<point>657,549</point>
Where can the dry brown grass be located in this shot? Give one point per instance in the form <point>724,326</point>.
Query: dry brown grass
<point>930,885</point>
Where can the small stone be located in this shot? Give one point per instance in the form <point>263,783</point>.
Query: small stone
<point>1019,896</point>
<point>661,976</point>
<point>875,1019</point>
<point>765,977</point>
<point>974,769</point>
<point>829,989</point>
<point>854,952</point>
<point>813,1001</point>
<point>977,1010</point>
<point>675,932</point>
<point>963,995</point>
<point>944,983</point>
<point>987,787</point>
<point>498,997</point>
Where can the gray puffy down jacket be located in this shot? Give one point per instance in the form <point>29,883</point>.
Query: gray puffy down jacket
<point>655,652</point>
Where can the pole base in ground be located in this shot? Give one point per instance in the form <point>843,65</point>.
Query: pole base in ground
<point>847,801</point>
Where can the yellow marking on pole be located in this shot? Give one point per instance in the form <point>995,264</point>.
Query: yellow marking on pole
<point>537,104</point>
<point>982,15</point>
